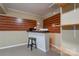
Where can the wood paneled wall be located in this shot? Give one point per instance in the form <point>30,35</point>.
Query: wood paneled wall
<point>66,7</point>
<point>70,27</point>
<point>47,23</point>
<point>13,23</point>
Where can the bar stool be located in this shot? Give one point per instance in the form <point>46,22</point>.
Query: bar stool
<point>31,42</point>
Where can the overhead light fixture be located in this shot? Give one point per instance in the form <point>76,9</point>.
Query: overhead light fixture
<point>38,23</point>
<point>19,20</point>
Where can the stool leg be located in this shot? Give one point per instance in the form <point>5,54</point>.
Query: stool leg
<point>35,44</point>
<point>28,43</point>
<point>31,44</point>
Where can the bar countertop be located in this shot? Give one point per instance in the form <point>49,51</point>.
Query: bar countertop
<point>39,31</point>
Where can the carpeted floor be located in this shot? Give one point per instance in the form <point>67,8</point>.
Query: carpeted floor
<point>24,51</point>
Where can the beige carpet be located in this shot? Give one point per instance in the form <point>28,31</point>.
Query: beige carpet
<point>24,51</point>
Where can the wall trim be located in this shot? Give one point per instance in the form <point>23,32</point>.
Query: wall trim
<point>23,12</point>
<point>42,49</point>
<point>3,8</point>
<point>5,47</point>
<point>64,50</point>
<point>55,47</point>
<point>60,50</point>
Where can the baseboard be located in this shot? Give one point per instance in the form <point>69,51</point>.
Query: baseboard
<point>55,47</point>
<point>65,51</point>
<point>13,46</point>
<point>20,45</point>
<point>42,49</point>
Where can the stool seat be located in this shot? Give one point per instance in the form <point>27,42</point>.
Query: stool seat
<point>31,42</point>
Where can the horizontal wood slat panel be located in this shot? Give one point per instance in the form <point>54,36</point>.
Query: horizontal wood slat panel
<point>77,26</point>
<point>68,27</point>
<point>13,23</point>
<point>47,23</point>
<point>66,7</point>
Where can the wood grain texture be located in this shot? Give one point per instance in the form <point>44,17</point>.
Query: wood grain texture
<point>47,23</point>
<point>77,26</point>
<point>66,7</point>
<point>70,27</point>
<point>62,5</point>
<point>77,5</point>
<point>13,24</point>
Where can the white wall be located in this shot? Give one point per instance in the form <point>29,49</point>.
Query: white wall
<point>77,16</point>
<point>77,40</point>
<point>68,39</point>
<point>70,17</point>
<point>57,40</point>
<point>8,38</point>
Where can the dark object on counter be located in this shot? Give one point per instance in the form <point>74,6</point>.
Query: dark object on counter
<point>31,29</point>
<point>31,42</point>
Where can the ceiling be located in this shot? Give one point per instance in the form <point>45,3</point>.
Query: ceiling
<point>1,10</point>
<point>36,8</point>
